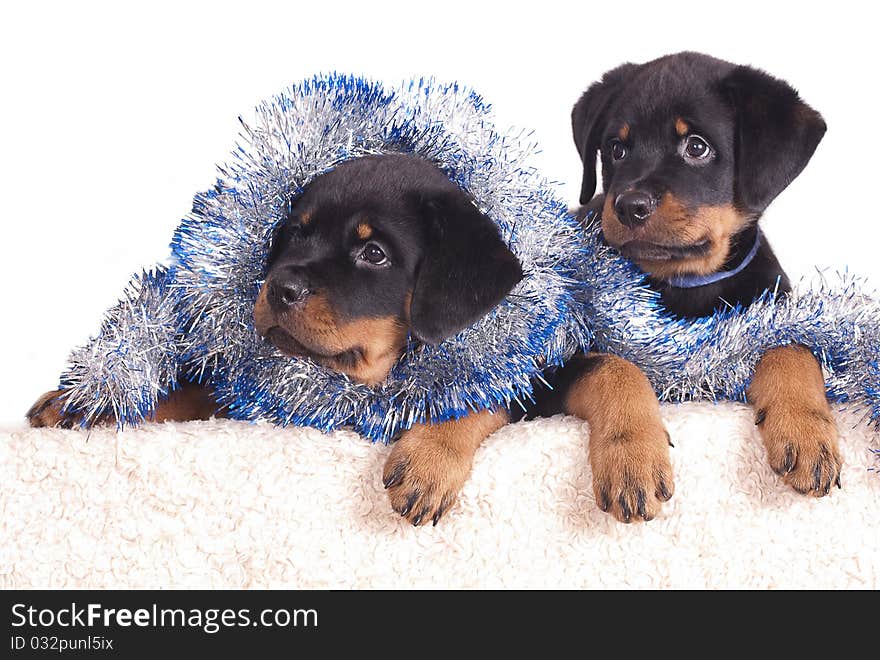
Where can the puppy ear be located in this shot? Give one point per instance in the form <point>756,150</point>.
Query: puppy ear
<point>587,119</point>
<point>466,269</point>
<point>777,134</point>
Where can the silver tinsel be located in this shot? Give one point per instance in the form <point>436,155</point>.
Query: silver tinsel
<point>133,361</point>
<point>714,357</point>
<point>220,253</point>
<point>195,322</point>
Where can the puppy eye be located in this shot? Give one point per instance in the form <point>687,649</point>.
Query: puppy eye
<point>697,148</point>
<point>618,150</point>
<point>373,254</point>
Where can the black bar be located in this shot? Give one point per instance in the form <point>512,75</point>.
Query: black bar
<point>267,624</point>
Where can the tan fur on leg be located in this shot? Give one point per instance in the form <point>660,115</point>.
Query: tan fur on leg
<point>629,446</point>
<point>795,420</point>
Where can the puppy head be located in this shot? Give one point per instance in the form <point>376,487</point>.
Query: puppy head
<point>693,150</point>
<point>377,248</point>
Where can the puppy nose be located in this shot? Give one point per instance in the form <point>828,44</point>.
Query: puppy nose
<point>288,292</point>
<point>634,208</point>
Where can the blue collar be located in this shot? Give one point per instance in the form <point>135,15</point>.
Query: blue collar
<point>694,281</point>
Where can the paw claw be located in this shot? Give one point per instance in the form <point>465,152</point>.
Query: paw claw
<point>624,507</point>
<point>790,460</point>
<point>418,519</point>
<point>410,503</point>
<point>396,476</point>
<point>760,416</point>
<point>663,491</point>
<point>640,506</point>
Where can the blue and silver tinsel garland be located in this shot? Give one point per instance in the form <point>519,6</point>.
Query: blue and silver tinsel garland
<point>194,321</point>
<point>219,260</point>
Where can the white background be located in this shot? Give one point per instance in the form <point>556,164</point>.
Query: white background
<point>113,116</point>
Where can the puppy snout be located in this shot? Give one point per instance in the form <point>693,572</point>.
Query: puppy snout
<point>634,208</point>
<point>287,291</point>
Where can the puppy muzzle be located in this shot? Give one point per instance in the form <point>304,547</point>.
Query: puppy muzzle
<point>288,291</point>
<point>634,207</point>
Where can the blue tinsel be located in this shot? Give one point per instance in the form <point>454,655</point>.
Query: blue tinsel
<point>194,320</point>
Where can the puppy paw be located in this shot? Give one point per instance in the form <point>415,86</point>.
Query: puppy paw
<point>423,476</point>
<point>632,474</point>
<point>49,411</point>
<point>802,448</point>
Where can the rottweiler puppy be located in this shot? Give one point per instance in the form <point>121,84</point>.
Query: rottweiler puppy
<point>378,249</point>
<point>693,150</point>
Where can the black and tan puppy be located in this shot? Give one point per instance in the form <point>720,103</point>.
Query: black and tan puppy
<point>375,250</point>
<point>693,150</point>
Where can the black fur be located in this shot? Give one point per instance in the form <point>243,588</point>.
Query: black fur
<point>466,269</point>
<point>587,118</point>
<point>776,135</point>
<point>439,247</point>
<point>761,132</point>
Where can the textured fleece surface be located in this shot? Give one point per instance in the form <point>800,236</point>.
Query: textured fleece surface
<point>233,504</point>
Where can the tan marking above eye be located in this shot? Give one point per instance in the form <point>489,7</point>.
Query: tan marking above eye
<point>623,133</point>
<point>681,127</point>
<point>305,217</point>
<point>364,231</point>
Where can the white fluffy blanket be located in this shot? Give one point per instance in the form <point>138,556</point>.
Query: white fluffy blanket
<point>232,504</point>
